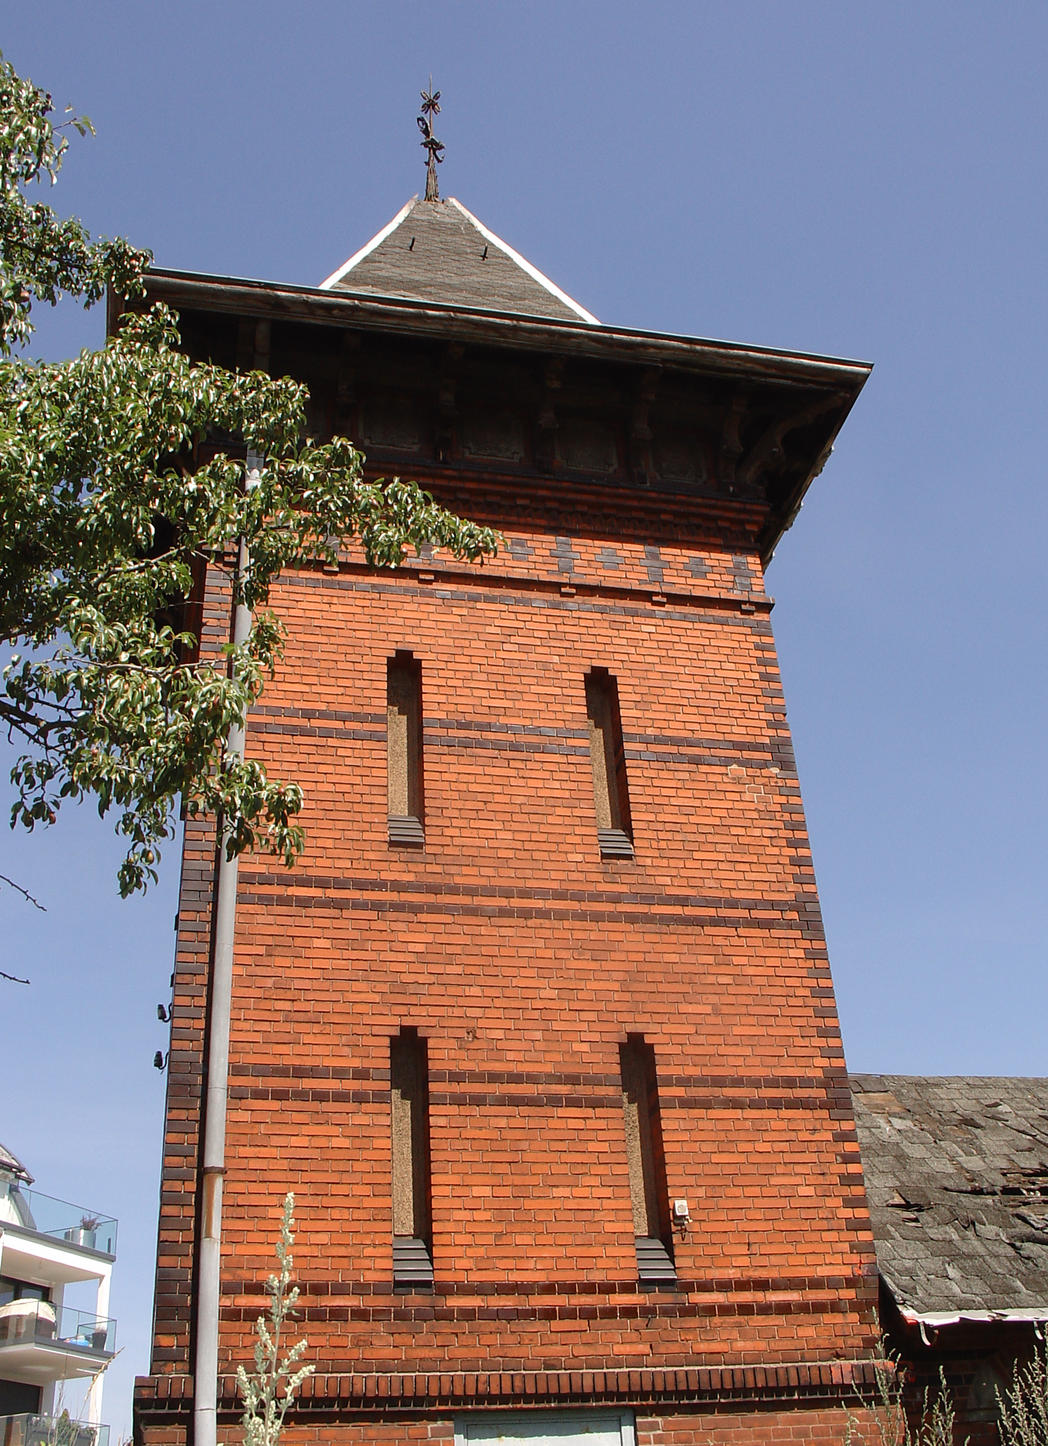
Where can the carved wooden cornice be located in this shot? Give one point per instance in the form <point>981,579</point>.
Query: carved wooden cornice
<point>627,412</point>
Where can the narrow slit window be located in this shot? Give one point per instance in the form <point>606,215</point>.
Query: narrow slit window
<point>647,1166</point>
<point>412,1214</point>
<point>608,758</point>
<point>404,749</point>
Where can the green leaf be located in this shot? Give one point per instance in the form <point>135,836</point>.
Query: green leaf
<point>109,518</point>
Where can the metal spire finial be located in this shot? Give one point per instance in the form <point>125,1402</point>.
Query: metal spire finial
<point>434,149</point>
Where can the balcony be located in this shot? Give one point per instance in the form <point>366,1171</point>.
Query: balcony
<point>50,1431</point>
<point>30,1210</point>
<point>39,1345</point>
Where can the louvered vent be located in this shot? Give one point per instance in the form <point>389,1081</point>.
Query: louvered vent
<point>407,830</point>
<point>614,844</point>
<point>412,1266</point>
<point>654,1266</point>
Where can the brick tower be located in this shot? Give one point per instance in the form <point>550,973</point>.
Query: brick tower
<point>541,1029</point>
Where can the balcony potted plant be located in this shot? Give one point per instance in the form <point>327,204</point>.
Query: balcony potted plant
<point>63,1431</point>
<point>66,1432</point>
<point>84,1233</point>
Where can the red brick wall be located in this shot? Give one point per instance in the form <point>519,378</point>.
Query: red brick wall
<point>827,1425</point>
<point>524,959</point>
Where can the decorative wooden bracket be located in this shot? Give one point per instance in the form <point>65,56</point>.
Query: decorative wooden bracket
<point>768,447</point>
<point>642,464</point>
<point>546,430</point>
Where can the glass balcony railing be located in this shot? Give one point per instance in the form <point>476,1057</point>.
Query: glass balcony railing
<point>29,1322</point>
<point>57,1218</point>
<point>50,1431</point>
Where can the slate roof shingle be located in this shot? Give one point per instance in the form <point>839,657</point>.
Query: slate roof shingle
<point>437,251</point>
<point>957,1179</point>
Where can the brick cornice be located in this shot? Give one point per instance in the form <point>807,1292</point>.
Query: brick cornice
<point>744,1387</point>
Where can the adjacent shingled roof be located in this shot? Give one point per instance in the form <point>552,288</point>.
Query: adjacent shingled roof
<point>436,251</point>
<point>957,1178</point>
<point>12,1165</point>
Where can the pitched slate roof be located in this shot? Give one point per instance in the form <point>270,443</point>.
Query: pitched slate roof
<point>957,1178</point>
<point>437,251</point>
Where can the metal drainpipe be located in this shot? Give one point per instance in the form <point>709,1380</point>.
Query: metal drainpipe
<point>205,1370</point>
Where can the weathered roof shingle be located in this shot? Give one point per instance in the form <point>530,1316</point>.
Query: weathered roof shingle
<point>957,1178</point>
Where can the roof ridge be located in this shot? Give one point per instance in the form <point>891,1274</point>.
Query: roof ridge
<point>525,264</point>
<point>368,246</point>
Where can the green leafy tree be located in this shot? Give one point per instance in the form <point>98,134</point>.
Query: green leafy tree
<point>270,1392</point>
<point>111,500</point>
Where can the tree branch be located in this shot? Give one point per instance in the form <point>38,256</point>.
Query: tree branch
<point>30,900</point>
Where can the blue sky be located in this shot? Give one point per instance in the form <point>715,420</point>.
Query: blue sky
<point>858,180</point>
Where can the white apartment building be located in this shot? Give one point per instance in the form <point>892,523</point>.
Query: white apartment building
<point>56,1337</point>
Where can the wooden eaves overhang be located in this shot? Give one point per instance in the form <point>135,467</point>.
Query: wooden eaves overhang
<point>601,406</point>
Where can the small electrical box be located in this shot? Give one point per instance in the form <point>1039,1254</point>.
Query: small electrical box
<point>681,1213</point>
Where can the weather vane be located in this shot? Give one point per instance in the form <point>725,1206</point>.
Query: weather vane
<point>434,149</point>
